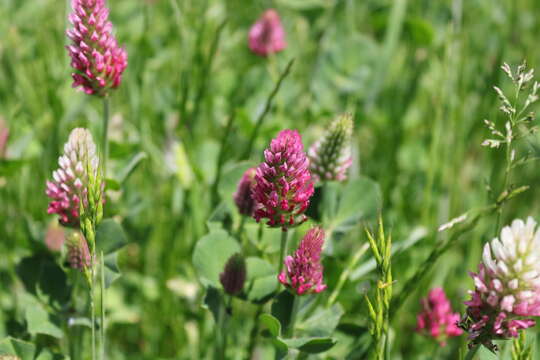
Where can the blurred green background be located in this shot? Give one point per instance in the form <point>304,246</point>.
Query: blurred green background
<point>417,75</point>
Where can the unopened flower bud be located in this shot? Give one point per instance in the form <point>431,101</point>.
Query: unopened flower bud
<point>234,275</point>
<point>330,157</point>
<point>77,251</point>
<point>242,197</point>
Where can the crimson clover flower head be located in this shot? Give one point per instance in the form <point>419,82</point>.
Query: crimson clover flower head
<point>303,271</point>
<point>70,181</point>
<point>507,286</point>
<point>330,157</point>
<point>97,59</point>
<point>283,182</point>
<point>267,35</point>
<point>242,196</point>
<point>436,319</point>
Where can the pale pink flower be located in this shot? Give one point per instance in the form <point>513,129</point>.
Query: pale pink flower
<point>283,182</point>
<point>507,286</point>
<point>303,271</point>
<point>55,237</point>
<point>70,181</point>
<point>4,135</point>
<point>95,55</point>
<point>436,318</point>
<point>267,35</point>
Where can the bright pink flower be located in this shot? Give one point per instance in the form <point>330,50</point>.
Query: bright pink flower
<point>507,286</point>
<point>242,196</point>
<point>70,181</point>
<point>436,318</point>
<point>267,36</point>
<point>283,182</point>
<point>95,55</point>
<point>304,271</point>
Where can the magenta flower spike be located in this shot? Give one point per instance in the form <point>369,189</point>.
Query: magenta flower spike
<point>303,271</point>
<point>70,181</point>
<point>283,182</point>
<point>95,55</point>
<point>436,318</point>
<point>242,196</point>
<point>267,35</point>
<point>507,286</point>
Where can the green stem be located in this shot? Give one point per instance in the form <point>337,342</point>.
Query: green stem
<point>283,249</point>
<point>93,311</point>
<point>267,107</point>
<point>105,131</point>
<point>240,232</point>
<point>345,275</point>
<point>294,312</point>
<point>221,157</point>
<point>102,327</point>
<point>254,333</point>
<point>472,351</point>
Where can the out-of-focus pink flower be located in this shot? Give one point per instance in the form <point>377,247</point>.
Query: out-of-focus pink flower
<point>78,254</point>
<point>242,196</point>
<point>70,181</point>
<point>4,135</point>
<point>436,318</point>
<point>95,55</point>
<point>267,35</point>
<point>330,156</point>
<point>55,237</point>
<point>507,286</point>
<point>283,182</point>
<point>304,271</point>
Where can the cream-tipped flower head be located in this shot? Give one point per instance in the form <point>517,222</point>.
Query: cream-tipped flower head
<point>330,156</point>
<point>507,285</point>
<point>71,180</point>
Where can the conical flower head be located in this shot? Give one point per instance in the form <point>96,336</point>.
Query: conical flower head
<point>95,55</point>
<point>78,254</point>
<point>507,285</point>
<point>267,35</point>
<point>242,196</point>
<point>303,271</point>
<point>436,318</point>
<point>283,182</point>
<point>234,275</point>
<point>70,182</point>
<point>330,157</point>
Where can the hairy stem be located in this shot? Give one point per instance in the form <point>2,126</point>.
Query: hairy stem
<point>283,249</point>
